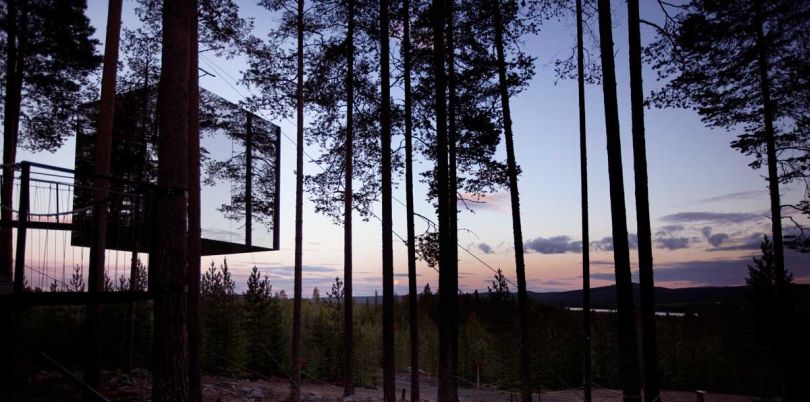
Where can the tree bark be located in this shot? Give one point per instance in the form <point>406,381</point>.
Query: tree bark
<point>168,260</point>
<point>249,178</point>
<point>448,388</point>
<point>520,266</point>
<point>389,365</point>
<point>583,169</point>
<point>452,142</point>
<point>785,313</point>
<point>299,207</point>
<point>348,209</point>
<point>194,229</point>
<point>413,311</point>
<point>11,120</point>
<point>101,186</point>
<point>621,252</point>
<point>645,256</point>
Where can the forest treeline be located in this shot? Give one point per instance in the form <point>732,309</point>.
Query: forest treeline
<point>244,335</point>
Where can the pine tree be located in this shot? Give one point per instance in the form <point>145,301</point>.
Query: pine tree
<point>645,258</point>
<point>279,73</point>
<point>222,320</point>
<point>344,95</point>
<point>409,203</point>
<point>386,167</point>
<point>49,54</point>
<point>621,249</point>
<point>743,65</point>
<point>169,247</point>
<point>517,231</point>
<point>499,289</point>
<point>259,323</point>
<point>583,169</point>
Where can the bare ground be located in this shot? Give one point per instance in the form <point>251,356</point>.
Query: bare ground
<point>135,387</point>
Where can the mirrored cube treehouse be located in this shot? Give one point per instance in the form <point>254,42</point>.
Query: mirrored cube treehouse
<point>52,212</point>
<point>239,173</point>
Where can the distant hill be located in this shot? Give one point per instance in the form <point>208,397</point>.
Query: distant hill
<point>675,300</point>
<point>680,300</point>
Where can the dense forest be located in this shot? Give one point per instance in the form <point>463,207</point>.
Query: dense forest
<point>724,349</point>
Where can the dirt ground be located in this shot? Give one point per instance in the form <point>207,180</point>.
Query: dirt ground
<point>136,386</point>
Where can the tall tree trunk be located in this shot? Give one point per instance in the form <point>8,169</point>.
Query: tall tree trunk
<point>139,219</point>
<point>447,389</point>
<point>785,313</point>
<point>249,178</point>
<point>645,256</point>
<point>452,142</point>
<point>348,208</point>
<point>168,258</point>
<point>389,365</point>
<point>299,207</point>
<point>11,121</point>
<point>101,185</point>
<point>11,118</point>
<point>586,252</point>
<point>520,266</point>
<point>194,229</point>
<point>413,295</point>
<point>621,251</point>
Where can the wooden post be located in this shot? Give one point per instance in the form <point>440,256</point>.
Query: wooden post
<point>22,218</point>
<point>57,202</point>
<point>134,227</point>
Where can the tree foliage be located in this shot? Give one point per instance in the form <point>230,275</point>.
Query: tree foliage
<point>707,57</point>
<point>56,56</point>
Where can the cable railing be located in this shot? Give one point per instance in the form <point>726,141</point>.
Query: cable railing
<point>53,211</point>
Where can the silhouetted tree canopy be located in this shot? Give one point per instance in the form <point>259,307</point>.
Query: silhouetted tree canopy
<point>707,57</point>
<point>56,58</point>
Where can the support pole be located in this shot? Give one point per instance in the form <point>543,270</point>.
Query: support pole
<point>22,217</point>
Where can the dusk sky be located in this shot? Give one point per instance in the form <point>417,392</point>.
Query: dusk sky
<point>709,209</point>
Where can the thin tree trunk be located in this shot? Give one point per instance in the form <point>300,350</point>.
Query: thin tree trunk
<point>583,169</point>
<point>101,185</point>
<point>645,256</point>
<point>413,311</point>
<point>194,229</point>
<point>249,178</point>
<point>452,139</point>
<point>139,221</point>
<point>168,260</point>
<point>621,252</point>
<point>389,365</point>
<point>11,120</point>
<point>785,313</point>
<point>299,208</point>
<point>447,389</point>
<point>348,208</point>
<point>520,266</point>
